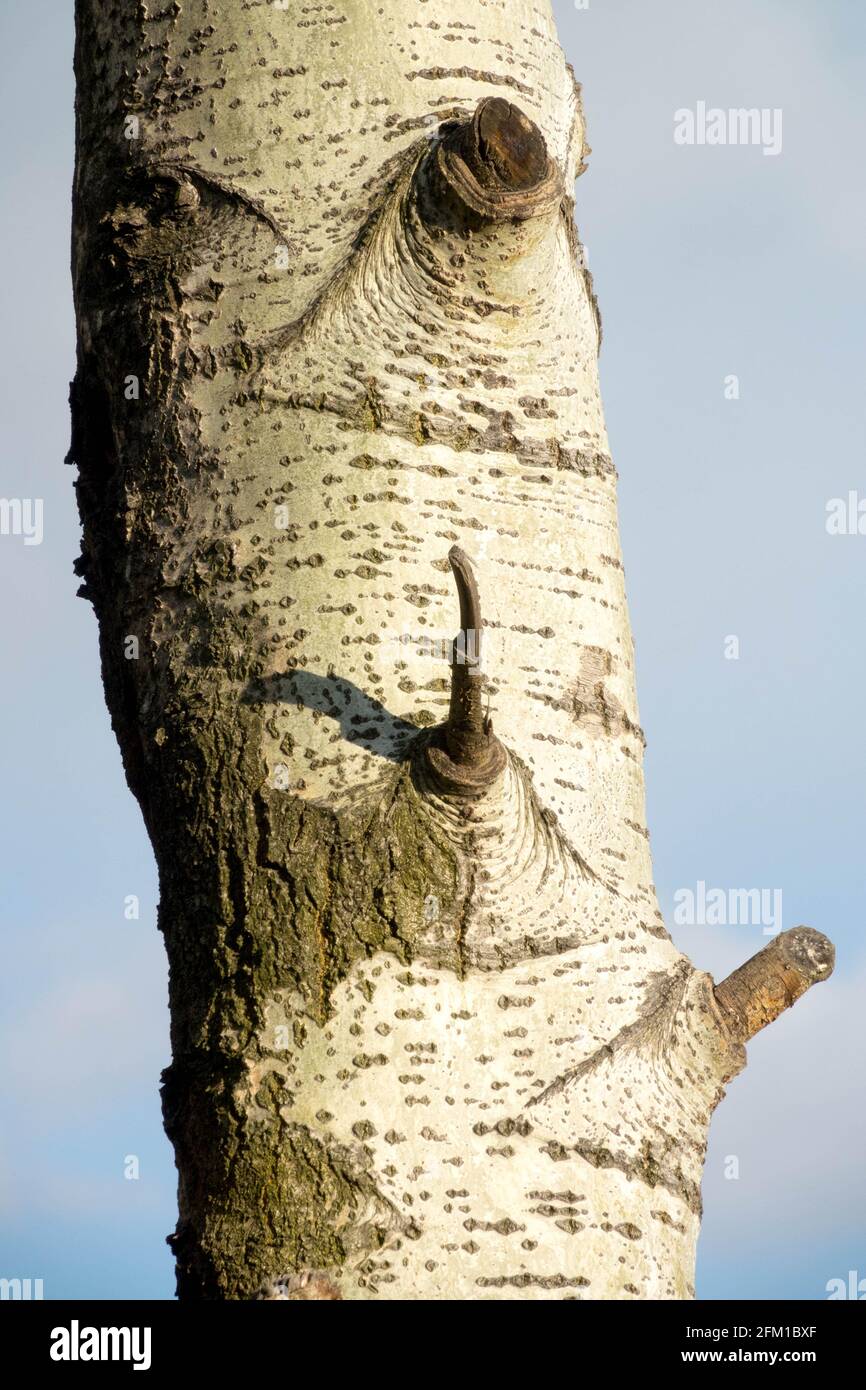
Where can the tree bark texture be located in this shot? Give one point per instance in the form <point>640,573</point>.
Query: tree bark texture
<point>337,388</point>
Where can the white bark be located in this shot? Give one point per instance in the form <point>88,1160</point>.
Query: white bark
<point>372,364</point>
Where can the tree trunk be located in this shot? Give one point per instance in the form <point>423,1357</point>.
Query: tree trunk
<point>336,385</point>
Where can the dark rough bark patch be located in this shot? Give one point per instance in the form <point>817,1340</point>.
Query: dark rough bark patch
<point>540,1281</point>
<point>265,895</point>
<point>302,1189</point>
<point>654,1168</point>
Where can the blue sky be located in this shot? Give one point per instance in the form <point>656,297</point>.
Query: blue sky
<point>708,261</point>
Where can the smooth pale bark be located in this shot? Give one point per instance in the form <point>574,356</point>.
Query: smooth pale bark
<point>430,1036</point>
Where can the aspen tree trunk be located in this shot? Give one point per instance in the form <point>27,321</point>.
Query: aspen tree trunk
<point>337,388</point>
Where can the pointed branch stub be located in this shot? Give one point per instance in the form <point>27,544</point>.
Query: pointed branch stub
<point>464,754</point>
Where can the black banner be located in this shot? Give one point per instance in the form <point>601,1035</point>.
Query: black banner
<point>66,1338</point>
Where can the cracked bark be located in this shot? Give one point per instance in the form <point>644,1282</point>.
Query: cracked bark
<point>430,1037</point>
